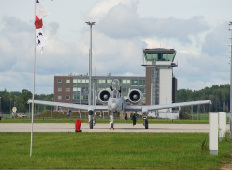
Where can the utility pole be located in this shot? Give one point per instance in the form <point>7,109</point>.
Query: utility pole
<point>90,62</point>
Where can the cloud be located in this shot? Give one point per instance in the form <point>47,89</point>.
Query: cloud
<point>115,56</point>
<point>101,8</point>
<point>16,44</point>
<point>123,22</point>
<point>53,27</point>
<point>118,39</point>
<point>217,41</point>
<point>196,70</point>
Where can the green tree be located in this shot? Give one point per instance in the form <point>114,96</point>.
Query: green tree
<point>21,101</point>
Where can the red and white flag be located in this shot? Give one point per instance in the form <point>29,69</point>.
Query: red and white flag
<point>38,23</point>
<point>40,10</point>
<point>41,40</point>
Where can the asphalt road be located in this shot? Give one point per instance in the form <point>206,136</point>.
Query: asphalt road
<point>70,127</point>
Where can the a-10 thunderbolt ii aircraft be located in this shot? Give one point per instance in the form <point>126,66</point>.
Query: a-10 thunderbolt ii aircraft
<point>113,102</point>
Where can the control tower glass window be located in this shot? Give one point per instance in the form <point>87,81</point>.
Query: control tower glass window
<point>159,57</point>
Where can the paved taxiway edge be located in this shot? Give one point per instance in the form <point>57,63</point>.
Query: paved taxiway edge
<point>104,127</point>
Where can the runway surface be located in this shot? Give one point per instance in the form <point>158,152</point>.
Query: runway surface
<point>70,127</point>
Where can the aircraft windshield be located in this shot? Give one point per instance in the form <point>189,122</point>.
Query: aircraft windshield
<point>115,94</point>
<point>115,84</point>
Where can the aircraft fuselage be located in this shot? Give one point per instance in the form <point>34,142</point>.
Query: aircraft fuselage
<point>116,104</point>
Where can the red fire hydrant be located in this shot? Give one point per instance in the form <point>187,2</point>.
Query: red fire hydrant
<point>78,126</point>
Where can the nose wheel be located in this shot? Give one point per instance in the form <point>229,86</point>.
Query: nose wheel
<point>91,124</point>
<point>112,121</point>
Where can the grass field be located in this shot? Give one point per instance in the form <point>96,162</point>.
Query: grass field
<point>111,150</point>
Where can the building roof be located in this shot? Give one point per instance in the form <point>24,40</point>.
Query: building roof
<point>159,50</point>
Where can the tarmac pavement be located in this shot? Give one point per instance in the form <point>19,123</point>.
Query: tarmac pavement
<point>105,127</point>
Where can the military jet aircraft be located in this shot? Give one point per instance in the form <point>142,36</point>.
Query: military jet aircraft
<point>113,102</point>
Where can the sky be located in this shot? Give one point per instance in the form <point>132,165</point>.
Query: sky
<point>196,29</point>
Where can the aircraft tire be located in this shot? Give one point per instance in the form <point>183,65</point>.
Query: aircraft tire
<point>146,124</point>
<point>91,124</point>
<point>111,126</point>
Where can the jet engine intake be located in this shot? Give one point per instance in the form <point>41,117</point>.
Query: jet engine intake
<point>135,96</point>
<point>104,96</point>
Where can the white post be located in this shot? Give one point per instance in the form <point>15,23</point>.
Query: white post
<point>222,125</point>
<point>213,133</point>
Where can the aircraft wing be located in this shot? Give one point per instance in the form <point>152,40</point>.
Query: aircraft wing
<point>71,105</point>
<point>165,106</point>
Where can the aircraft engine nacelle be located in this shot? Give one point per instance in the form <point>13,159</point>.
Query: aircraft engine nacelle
<point>135,96</point>
<point>104,96</point>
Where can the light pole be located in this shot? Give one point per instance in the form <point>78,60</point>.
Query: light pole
<point>90,61</point>
<point>230,24</point>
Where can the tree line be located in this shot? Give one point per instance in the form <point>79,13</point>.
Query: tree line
<point>8,100</point>
<point>218,94</point>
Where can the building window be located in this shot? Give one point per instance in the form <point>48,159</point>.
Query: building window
<point>102,81</point>
<point>126,81</point>
<point>125,89</point>
<point>59,80</point>
<point>67,80</point>
<point>59,89</point>
<point>78,89</point>
<point>76,97</point>
<point>75,80</point>
<point>109,81</point>
<point>59,97</point>
<point>67,89</point>
<point>67,97</point>
<point>134,82</point>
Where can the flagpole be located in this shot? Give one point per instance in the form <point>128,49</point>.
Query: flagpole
<point>33,95</point>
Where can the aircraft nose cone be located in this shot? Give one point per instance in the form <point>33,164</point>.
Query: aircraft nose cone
<point>113,106</point>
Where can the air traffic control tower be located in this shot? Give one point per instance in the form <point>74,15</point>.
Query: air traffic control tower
<point>161,85</point>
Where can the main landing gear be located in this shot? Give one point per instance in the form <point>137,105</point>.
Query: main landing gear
<point>92,119</point>
<point>145,121</point>
<point>134,118</point>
